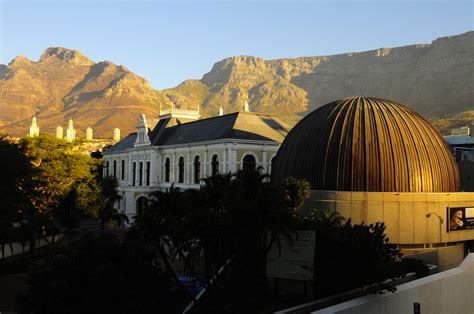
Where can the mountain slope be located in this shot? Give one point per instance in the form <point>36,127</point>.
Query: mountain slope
<point>435,79</point>
<point>65,84</point>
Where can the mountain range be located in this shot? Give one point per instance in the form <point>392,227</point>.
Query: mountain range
<point>436,79</point>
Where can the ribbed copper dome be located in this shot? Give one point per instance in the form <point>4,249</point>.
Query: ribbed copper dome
<point>367,144</point>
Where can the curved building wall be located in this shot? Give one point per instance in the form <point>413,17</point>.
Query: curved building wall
<point>404,214</point>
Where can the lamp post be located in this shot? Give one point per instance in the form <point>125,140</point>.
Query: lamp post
<point>440,223</point>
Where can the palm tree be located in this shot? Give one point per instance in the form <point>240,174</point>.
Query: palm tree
<point>156,223</point>
<point>107,212</point>
<point>238,216</point>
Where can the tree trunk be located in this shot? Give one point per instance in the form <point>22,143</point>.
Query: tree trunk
<point>32,246</point>
<point>69,238</point>
<point>102,226</point>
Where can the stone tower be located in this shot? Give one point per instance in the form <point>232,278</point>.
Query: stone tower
<point>116,134</point>
<point>34,129</point>
<point>89,134</point>
<point>70,132</point>
<point>221,111</point>
<point>59,132</point>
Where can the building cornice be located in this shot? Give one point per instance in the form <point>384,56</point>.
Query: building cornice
<point>204,143</point>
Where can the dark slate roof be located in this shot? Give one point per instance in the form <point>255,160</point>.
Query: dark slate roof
<point>125,143</point>
<point>237,125</point>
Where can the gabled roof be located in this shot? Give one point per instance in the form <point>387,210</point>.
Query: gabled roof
<point>237,126</point>
<point>125,143</point>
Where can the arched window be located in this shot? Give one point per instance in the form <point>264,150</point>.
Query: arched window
<point>106,168</point>
<point>215,165</point>
<point>272,161</point>
<point>181,169</point>
<point>167,169</point>
<point>142,204</point>
<point>197,169</point>
<point>249,163</point>
<point>115,168</point>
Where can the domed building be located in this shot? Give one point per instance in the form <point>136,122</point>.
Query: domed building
<point>375,160</point>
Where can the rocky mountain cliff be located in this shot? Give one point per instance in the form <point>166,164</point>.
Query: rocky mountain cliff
<point>437,80</point>
<point>65,84</point>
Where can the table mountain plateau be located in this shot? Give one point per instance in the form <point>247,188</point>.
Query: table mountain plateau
<point>435,79</point>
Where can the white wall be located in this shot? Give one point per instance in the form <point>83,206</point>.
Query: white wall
<point>404,214</point>
<point>450,291</point>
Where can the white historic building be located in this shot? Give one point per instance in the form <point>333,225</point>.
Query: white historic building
<point>182,149</point>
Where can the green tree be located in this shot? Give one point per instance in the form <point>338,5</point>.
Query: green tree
<point>16,190</point>
<point>69,213</point>
<point>295,192</point>
<point>100,275</point>
<point>62,173</point>
<point>162,222</point>
<point>61,167</point>
<point>351,256</point>
<point>110,196</point>
<point>230,221</point>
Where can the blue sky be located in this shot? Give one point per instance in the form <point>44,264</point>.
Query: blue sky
<point>170,41</point>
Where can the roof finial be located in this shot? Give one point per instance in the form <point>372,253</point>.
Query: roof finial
<point>246,107</point>
<point>221,111</point>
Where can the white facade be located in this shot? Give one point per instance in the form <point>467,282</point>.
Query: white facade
<point>142,170</point>
<point>142,167</point>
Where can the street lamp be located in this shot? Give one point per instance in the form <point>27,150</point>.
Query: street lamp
<point>440,223</point>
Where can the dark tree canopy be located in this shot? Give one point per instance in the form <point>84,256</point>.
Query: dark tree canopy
<point>100,275</point>
<point>351,256</point>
